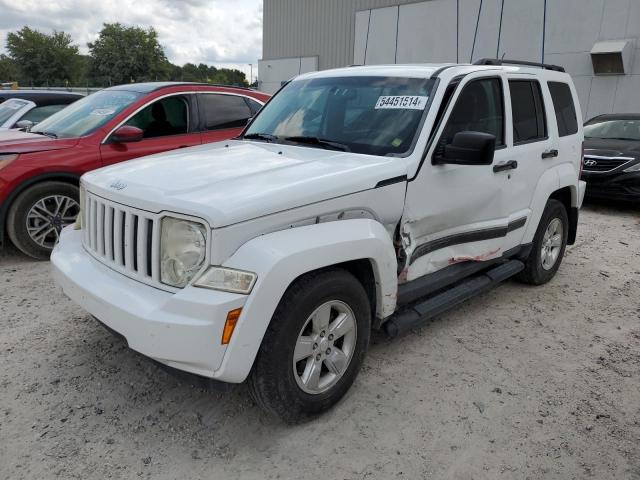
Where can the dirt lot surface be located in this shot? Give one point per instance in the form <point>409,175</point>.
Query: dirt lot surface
<point>522,383</point>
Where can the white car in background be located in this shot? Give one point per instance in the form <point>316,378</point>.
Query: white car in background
<point>25,108</point>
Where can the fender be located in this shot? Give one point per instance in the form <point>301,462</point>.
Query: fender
<point>281,257</point>
<point>568,177</point>
<point>547,184</point>
<point>4,206</point>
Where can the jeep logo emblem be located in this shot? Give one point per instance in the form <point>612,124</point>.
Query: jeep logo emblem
<point>118,185</point>
<point>590,163</point>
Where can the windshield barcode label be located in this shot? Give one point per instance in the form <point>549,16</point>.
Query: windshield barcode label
<point>410,102</point>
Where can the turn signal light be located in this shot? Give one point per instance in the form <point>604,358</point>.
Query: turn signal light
<point>230,325</point>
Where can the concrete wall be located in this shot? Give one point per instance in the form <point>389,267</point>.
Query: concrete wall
<point>345,32</point>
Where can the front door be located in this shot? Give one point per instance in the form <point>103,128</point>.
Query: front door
<point>168,123</point>
<point>458,213</point>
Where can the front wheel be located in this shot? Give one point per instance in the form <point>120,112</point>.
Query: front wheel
<point>314,346</point>
<point>38,214</point>
<point>548,246</point>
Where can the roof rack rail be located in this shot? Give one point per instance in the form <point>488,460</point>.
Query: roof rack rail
<point>499,61</point>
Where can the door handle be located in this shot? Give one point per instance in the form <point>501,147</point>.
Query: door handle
<point>509,165</point>
<point>550,153</point>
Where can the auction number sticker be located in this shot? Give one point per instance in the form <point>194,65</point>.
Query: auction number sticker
<point>407,102</point>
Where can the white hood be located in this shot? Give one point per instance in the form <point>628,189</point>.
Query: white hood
<point>230,182</point>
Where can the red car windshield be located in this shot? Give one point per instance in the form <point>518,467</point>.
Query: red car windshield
<point>86,115</point>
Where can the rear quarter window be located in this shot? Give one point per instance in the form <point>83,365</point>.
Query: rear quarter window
<point>564,107</point>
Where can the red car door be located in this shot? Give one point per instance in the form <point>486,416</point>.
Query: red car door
<point>224,115</point>
<point>167,123</point>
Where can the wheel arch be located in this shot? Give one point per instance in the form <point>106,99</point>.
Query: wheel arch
<point>67,177</point>
<point>361,246</point>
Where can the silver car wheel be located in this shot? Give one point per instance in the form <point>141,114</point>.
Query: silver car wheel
<point>551,244</point>
<point>48,216</point>
<point>324,347</point>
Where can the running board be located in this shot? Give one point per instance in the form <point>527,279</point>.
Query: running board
<point>423,310</point>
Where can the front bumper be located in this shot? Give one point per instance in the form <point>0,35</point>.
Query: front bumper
<point>182,330</point>
<point>616,186</point>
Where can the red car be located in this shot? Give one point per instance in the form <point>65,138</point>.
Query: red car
<point>39,170</point>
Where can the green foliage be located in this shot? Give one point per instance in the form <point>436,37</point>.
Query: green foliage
<point>119,55</point>
<point>44,59</point>
<point>8,69</point>
<point>127,54</point>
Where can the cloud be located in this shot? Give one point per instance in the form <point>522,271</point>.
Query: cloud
<point>214,32</point>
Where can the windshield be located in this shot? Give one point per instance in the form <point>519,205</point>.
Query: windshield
<point>620,129</point>
<point>9,108</point>
<point>371,115</point>
<point>86,115</point>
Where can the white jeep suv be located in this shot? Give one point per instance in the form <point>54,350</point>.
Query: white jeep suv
<point>360,198</point>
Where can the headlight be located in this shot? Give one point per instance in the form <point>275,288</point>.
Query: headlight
<point>182,250</point>
<point>6,159</point>
<point>227,280</point>
<point>633,168</point>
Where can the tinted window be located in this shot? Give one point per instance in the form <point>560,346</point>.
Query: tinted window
<point>168,116</point>
<point>528,111</point>
<point>38,114</point>
<point>253,105</point>
<point>224,111</point>
<point>564,108</point>
<point>479,108</point>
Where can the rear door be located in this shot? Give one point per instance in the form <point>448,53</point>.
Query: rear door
<point>223,115</point>
<point>168,123</point>
<point>535,146</point>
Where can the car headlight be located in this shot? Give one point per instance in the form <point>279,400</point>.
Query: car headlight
<point>6,159</point>
<point>182,250</point>
<point>633,168</point>
<point>227,280</point>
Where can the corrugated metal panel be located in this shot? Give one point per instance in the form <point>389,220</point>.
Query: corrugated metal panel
<point>297,28</point>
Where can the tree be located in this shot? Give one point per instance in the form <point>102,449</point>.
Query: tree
<point>44,59</point>
<point>8,69</point>
<point>127,54</point>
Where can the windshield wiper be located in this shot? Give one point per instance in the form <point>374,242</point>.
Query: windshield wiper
<point>267,137</point>
<point>47,134</point>
<point>321,142</point>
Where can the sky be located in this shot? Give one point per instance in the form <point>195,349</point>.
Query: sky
<point>224,33</point>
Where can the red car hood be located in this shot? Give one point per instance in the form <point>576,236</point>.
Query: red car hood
<point>15,141</point>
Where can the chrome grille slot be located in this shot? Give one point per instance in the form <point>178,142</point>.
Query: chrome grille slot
<point>603,164</point>
<point>123,238</point>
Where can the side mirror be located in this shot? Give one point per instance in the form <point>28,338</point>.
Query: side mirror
<point>127,134</point>
<point>26,124</point>
<point>469,148</point>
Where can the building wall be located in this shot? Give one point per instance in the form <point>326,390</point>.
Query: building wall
<point>338,33</point>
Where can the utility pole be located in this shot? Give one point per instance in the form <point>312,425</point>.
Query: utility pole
<point>251,74</point>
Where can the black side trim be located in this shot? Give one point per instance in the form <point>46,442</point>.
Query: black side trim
<point>466,237</point>
<point>574,213</point>
<point>391,181</point>
<point>440,70</point>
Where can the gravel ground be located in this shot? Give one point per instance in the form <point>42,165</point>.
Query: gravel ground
<point>520,383</point>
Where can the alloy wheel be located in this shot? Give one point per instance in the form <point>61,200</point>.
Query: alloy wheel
<point>48,216</point>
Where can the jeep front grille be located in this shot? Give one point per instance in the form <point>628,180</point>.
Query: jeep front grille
<point>593,163</point>
<point>123,238</point>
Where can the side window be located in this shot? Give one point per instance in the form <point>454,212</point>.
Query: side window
<point>168,116</point>
<point>479,108</point>
<point>529,121</point>
<point>253,105</point>
<point>564,108</point>
<point>224,111</point>
<point>38,114</point>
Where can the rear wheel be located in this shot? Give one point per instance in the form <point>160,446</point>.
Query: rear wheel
<point>314,346</point>
<point>38,214</point>
<point>548,247</point>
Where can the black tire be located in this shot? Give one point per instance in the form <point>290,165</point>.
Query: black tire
<point>534,272</point>
<point>19,210</point>
<point>272,382</point>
